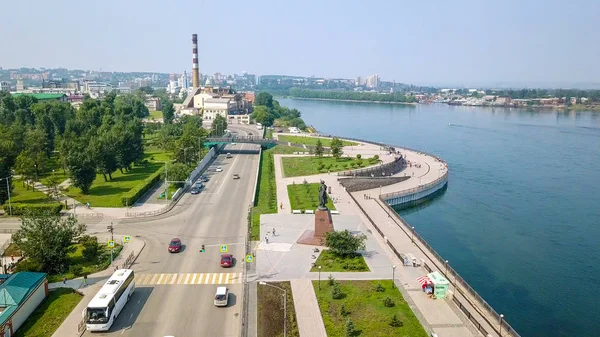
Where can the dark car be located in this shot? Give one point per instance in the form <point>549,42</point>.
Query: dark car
<point>226,260</point>
<point>203,178</point>
<point>175,246</point>
<point>198,186</point>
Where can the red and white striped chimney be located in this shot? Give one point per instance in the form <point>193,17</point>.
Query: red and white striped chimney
<point>195,70</point>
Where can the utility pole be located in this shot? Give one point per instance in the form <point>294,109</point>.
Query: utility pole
<point>166,184</point>
<point>8,192</point>
<point>111,229</point>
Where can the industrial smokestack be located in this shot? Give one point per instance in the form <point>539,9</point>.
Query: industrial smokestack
<point>195,70</point>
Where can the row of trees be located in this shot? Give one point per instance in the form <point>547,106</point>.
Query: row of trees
<point>267,111</point>
<point>352,95</point>
<point>335,148</point>
<point>102,136</point>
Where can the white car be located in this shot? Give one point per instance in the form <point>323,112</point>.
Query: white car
<point>219,169</point>
<point>221,297</point>
<point>233,143</point>
<point>228,155</point>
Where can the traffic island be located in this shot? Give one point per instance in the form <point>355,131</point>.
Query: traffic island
<point>366,309</point>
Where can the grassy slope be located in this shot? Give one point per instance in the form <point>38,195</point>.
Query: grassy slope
<point>270,311</point>
<point>20,194</point>
<point>332,263</point>
<point>309,165</point>
<point>366,309</point>
<point>44,321</point>
<point>306,196</point>
<point>312,140</point>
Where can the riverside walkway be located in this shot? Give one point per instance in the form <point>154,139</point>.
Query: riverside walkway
<point>459,315</point>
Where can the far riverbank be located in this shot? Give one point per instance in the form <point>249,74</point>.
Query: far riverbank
<point>346,100</point>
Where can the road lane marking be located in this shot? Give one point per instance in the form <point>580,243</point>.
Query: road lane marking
<point>173,279</point>
<point>188,278</point>
<point>181,276</point>
<point>160,278</point>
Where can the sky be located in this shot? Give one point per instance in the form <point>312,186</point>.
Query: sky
<point>432,42</point>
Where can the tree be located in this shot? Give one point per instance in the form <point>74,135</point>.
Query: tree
<point>46,238</point>
<point>336,148</point>
<point>319,148</point>
<point>90,247</point>
<point>178,172</point>
<point>264,98</point>
<point>262,115</point>
<point>82,169</point>
<point>395,322</point>
<point>219,125</point>
<point>25,166</point>
<point>350,329</point>
<point>168,112</point>
<point>344,243</point>
<point>52,184</point>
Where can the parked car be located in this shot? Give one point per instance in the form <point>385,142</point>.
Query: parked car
<point>198,186</point>
<point>236,176</point>
<point>203,178</point>
<point>219,169</point>
<point>175,245</point>
<point>226,260</point>
<point>228,155</point>
<point>221,297</point>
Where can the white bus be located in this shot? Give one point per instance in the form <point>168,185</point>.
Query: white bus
<point>259,126</point>
<point>104,308</point>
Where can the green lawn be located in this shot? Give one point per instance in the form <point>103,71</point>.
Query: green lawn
<point>364,306</point>
<point>270,311</point>
<point>108,193</point>
<point>20,194</point>
<point>266,201</point>
<point>309,165</point>
<point>312,141</point>
<point>306,196</point>
<point>155,115</point>
<point>330,262</point>
<point>101,262</point>
<point>44,321</point>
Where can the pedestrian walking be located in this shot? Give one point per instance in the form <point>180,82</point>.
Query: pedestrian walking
<point>85,280</point>
<point>64,279</point>
<point>273,231</point>
<point>281,205</point>
<point>267,239</point>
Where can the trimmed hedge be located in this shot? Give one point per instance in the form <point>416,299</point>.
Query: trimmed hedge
<point>20,209</point>
<point>130,197</point>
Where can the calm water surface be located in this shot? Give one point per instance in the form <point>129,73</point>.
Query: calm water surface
<point>520,219</point>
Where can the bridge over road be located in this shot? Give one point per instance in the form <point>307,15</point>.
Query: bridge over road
<point>240,139</point>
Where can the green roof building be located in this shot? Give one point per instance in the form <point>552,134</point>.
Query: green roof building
<point>44,97</point>
<point>20,294</point>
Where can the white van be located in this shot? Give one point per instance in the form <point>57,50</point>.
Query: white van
<point>221,297</point>
<point>228,155</point>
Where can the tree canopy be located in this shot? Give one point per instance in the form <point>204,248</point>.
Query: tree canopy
<point>344,243</point>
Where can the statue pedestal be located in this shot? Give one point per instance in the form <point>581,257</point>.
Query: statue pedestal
<point>323,224</point>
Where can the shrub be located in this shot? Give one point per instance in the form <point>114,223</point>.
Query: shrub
<point>379,288</point>
<point>343,311</point>
<point>376,157</point>
<point>130,197</point>
<point>388,302</point>
<point>20,209</point>
<point>358,156</point>
<point>90,247</point>
<point>331,280</point>
<point>336,292</point>
<point>395,322</point>
<point>350,329</point>
<point>76,270</point>
<point>28,265</point>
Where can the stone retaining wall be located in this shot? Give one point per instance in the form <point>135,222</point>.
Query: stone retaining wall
<point>367,183</point>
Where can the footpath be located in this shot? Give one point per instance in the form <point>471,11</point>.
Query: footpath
<point>443,317</point>
<point>72,325</point>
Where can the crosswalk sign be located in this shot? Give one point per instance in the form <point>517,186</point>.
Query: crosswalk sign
<point>111,244</point>
<point>249,258</point>
<point>223,248</point>
<point>126,238</point>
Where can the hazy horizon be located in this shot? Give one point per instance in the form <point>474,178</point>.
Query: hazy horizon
<point>463,43</point>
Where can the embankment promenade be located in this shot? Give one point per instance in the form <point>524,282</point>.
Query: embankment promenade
<point>350,100</point>
<point>424,176</point>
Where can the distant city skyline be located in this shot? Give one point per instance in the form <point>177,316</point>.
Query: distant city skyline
<point>460,43</point>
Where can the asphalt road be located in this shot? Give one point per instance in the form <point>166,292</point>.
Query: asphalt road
<point>174,292</point>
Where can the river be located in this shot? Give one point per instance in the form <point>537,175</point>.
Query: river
<point>520,220</point>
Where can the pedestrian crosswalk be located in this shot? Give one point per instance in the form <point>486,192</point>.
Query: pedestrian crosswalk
<point>188,278</point>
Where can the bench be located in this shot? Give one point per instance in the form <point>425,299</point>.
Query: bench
<point>309,211</point>
<point>335,212</point>
<point>296,211</point>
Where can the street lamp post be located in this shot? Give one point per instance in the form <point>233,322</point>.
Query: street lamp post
<point>319,277</point>
<point>8,192</point>
<point>446,268</point>
<point>501,317</point>
<point>284,305</point>
<point>412,238</point>
<point>185,154</point>
<point>393,275</point>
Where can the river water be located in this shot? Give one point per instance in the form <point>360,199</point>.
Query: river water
<point>520,220</point>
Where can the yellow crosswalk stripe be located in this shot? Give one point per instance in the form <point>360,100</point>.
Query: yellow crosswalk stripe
<point>188,278</point>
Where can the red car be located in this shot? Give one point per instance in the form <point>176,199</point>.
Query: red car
<point>175,246</point>
<point>226,260</point>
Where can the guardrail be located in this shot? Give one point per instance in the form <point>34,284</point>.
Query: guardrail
<point>129,261</point>
<point>408,230</point>
<point>245,288</point>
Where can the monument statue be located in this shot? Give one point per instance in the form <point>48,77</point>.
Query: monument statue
<point>323,196</point>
